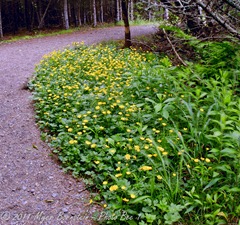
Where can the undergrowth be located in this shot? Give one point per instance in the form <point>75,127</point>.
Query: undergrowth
<point>161,143</point>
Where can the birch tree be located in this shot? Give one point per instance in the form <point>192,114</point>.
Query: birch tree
<point>65,12</point>
<point>94,13</point>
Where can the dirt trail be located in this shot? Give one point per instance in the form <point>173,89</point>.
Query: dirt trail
<point>33,189</point>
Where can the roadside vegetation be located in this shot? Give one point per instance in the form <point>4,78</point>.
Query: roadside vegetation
<point>159,142</point>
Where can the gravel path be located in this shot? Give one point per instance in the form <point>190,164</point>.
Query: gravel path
<point>33,188</point>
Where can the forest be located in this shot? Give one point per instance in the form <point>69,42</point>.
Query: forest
<point>152,128</point>
<point>200,17</point>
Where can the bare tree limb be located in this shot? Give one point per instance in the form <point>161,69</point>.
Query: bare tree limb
<point>217,18</point>
<point>42,19</point>
<point>173,48</point>
<point>234,5</point>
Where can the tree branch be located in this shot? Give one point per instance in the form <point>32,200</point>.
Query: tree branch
<point>217,18</point>
<point>173,48</point>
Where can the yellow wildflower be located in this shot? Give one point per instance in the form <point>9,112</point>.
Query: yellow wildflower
<point>113,188</point>
<point>127,157</point>
<point>207,160</point>
<point>133,196</point>
<point>118,175</point>
<point>93,145</point>
<point>146,168</point>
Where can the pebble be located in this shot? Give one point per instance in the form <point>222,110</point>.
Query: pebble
<point>54,195</point>
<point>24,188</point>
<point>65,210</point>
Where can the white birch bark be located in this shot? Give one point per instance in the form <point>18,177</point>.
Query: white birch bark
<point>66,20</point>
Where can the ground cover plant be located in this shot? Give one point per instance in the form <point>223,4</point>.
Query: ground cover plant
<point>160,143</point>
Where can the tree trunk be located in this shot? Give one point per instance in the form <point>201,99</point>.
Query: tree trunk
<point>94,13</point>
<point>78,14</point>
<point>102,11</point>
<point>1,28</point>
<point>128,42</point>
<point>117,11</point>
<point>65,9</point>
<point>149,10</point>
<point>27,15</point>
<point>131,10</point>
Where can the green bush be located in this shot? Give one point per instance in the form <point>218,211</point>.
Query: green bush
<point>161,143</point>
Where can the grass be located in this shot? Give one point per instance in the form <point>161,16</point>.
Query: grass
<point>159,142</point>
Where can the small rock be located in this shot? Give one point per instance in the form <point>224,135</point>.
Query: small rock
<point>54,195</point>
<point>65,210</point>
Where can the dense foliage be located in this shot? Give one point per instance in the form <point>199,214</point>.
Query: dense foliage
<point>160,142</point>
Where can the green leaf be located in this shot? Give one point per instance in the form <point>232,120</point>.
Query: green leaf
<point>158,107</point>
<point>139,199</point>
<point>131,222</point>
<point>150,218</point>
<point>229,152</point>
<point>211,183</point>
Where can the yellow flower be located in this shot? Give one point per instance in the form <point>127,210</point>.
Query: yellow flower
<point>125,200</point>
<point>160,149</point>
<point>128,172</point>
<point>133,196</point>
<point>71,142</point>
<point>123,187</point>
<point>159,177</point>
<point>79,133</point>
<point>164,124</point>
<point>127,157</point>
<point>137,148</point>
<point>165,153</point>
<point>96,162</point>
<point>85,121</point>
<point>146,168</point>
<point>93,145</point>
<point>202,110</point>
<point>97,107</point>
<point>118,175</point>
<point>105,205</point>
<point>87,142</point>
<point>174,174</point>
<point>170,131</point>
<point>146,147</point>
<point>113,188</point>
<point>101,128</point>
<point>196,160</point>
<point>70,129</point>
<point>105,182</point>
<point>91,201</point>
<point>207,160</point>
<point>118,169</point>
